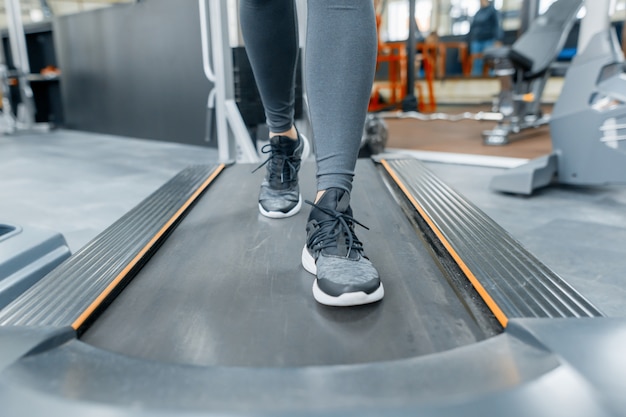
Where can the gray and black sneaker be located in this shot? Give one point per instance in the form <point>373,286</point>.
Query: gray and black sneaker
<point>280,194</point>
<point>345,276</point>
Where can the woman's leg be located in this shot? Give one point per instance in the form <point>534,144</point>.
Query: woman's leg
<point>340,65</point>
<point>270,33</point>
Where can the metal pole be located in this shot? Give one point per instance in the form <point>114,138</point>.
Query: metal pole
<point>45,8</point>
<point>435,15</point>
<point>596,20</point>
<point>16,35</point>
<point>7,121</point>
<point>17,39</point>
<point>226,149</point>
<point>410,101</point>
<point>233,139</point>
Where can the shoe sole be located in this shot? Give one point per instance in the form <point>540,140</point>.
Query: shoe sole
<point>280,214</point>
<point>306,151</point>
<point>344,300</point>
<point>348,299</point>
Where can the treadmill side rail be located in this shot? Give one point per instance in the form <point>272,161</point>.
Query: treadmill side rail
<point>93,276</point>
<point>511,281</point>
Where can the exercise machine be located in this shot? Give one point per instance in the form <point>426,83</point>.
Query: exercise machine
<point>181,307</point>
<point>27,254</point>
<point>588,124</point>
<point>24,117</point>
<point>524,69</point>
<point>7,118</point>
<point>224,120</point>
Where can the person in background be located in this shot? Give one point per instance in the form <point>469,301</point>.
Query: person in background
<point>339,72</point>
<point>485,32</point>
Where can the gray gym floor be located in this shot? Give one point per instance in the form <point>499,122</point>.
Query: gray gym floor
<point>79,183</point>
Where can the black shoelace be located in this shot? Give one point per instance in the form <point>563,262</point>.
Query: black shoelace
<point>330,229</point>
<point>277,160</point>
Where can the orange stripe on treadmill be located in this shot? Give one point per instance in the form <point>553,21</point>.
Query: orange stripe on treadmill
<point>493,306</point>
<point>105,293</point>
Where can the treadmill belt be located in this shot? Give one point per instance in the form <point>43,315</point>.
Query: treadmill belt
<point>227,288</point>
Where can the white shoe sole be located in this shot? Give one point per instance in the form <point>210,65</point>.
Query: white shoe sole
<point>280,214</point>
<point>306,152</point>
<point>344,300</point>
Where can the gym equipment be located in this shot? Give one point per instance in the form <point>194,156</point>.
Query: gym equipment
<point>525,67</point>
<point>182,307</point>
<point>223,117</point>
<point>25,109</point>
<point>26,256</point>
<point>177,309</point>
<point>7,119</point>
<point>375,136</point>
<point>588,125</point>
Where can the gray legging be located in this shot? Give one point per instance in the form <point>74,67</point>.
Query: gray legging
<point>339,71</point>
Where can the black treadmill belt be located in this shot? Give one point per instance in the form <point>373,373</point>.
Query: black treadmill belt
<point>227,288</point>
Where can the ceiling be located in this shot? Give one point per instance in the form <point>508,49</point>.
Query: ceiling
<point>34,10</point>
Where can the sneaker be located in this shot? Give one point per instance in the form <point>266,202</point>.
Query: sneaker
<point>344,275</point>
<point>280,194</point>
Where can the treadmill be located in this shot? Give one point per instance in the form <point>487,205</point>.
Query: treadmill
<point>195,304</point>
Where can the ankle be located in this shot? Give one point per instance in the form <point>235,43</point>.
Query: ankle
<point>319,195</point>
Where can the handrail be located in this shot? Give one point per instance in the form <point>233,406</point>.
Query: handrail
<point>204,33</point>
